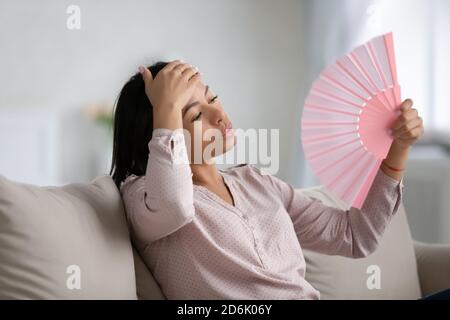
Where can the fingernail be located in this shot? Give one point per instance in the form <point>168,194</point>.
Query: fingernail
<point>141,69</point>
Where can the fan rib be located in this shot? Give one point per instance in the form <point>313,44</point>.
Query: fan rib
<point>321,138</point>
<point>372,94</point>
<point>375,111</point>
<point>367,77</point>
<point>388,40</point>
<point>389,43</point>
<point>334,98</point>
<point>333,148</point>
<point>360,173</point>
<point>386,95</point>
<point>359,201</point>
<point>374,57</point>
<point>355,60</point>
<point>322,170</point>
<point>352,164</point>
<point>336,83</point>
<point>362,86</point>
<point>320,123</point>
<point>312,106</point>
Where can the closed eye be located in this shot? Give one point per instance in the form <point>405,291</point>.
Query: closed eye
<point>197,117</point>
<point>213,99</point>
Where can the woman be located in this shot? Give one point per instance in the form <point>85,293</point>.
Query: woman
<point>229,234</point>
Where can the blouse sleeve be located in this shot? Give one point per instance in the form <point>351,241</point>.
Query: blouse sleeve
<point>352,233</point>
<point>160,202</point>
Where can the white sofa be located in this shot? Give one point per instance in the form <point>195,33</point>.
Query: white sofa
<point>72,242</point>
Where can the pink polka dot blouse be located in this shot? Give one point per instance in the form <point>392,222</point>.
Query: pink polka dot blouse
<point>198,246</point>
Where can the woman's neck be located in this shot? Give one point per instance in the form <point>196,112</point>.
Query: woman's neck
<point>206,174</point>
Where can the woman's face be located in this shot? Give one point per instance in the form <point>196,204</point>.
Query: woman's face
<point>209,129</point>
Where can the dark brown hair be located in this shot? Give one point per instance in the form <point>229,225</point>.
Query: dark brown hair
<point>133,127</point>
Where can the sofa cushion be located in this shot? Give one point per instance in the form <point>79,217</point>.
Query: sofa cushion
<point>345,278</point>
<point>54,238</point>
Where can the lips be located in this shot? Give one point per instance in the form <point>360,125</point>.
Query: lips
<point>228,132</point>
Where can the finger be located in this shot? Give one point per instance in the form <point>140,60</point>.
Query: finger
<point>195,78</point>
<point>146,74</point>
<point>186,70</point>
<point>408,126</point>
<point>404,118</point>
<point>189,72</point>
<point>412,134</point>
<point>181,67</point>
<point>406,105</point>
<point>172,65</point>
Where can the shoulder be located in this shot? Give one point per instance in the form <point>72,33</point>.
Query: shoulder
<point>131,183</point>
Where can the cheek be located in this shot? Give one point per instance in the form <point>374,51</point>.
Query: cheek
<point>193,133</point>
<point>207,136</point>
<point>191,129</point>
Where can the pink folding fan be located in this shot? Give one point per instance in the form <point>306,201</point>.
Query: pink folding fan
<point>347,116</point>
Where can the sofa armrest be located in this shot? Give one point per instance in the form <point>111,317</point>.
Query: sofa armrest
<point>433,264</point>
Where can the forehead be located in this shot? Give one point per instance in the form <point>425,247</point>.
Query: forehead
<point>200,90</point>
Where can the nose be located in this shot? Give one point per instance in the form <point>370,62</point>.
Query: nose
<point>218,116</point>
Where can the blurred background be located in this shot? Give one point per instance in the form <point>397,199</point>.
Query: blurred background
<point>60,78</point>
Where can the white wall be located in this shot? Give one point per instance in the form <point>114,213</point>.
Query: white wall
<point>249,51</point>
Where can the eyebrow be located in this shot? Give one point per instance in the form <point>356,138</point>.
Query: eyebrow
<point>193,103</point>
